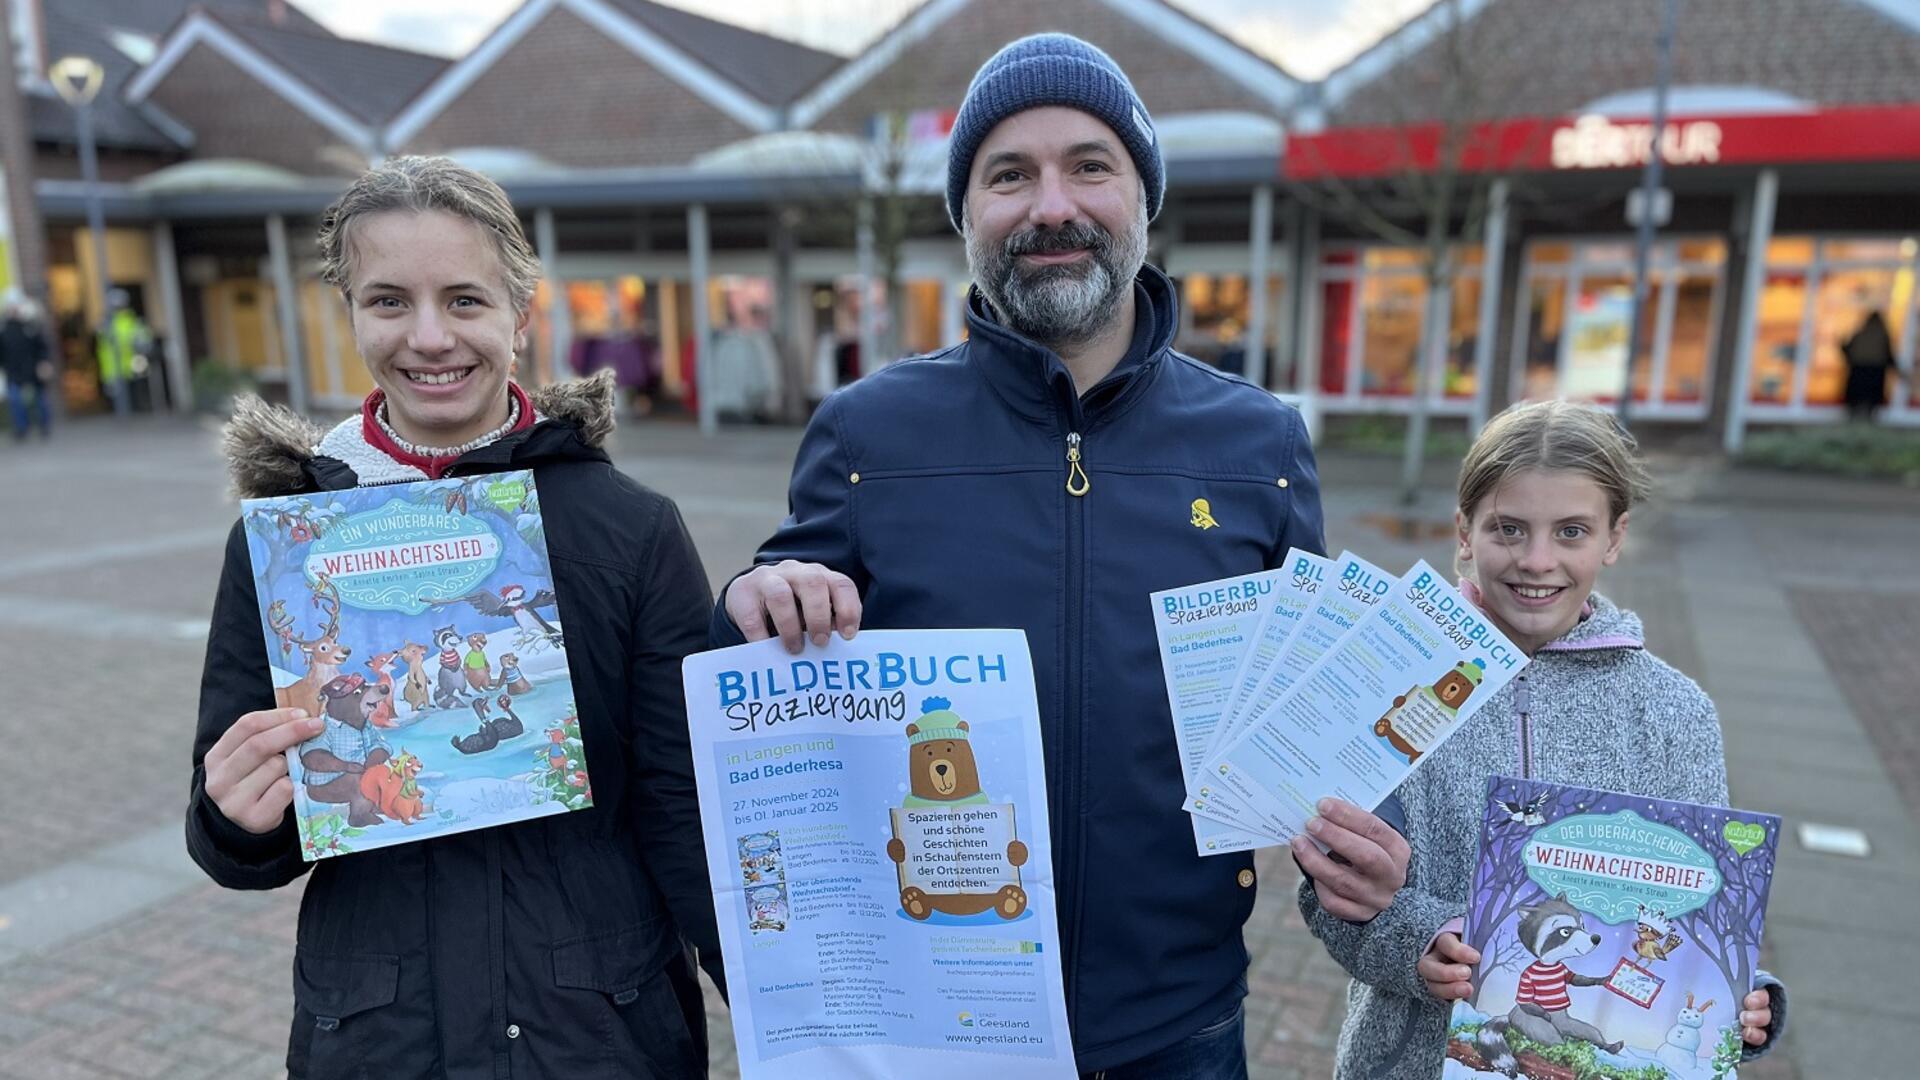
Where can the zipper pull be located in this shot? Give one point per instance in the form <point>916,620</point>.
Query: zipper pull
<point>1522,699</point>
<point>1077,483</point>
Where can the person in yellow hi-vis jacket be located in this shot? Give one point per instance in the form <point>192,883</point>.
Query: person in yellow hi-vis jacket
<point>122,347</point>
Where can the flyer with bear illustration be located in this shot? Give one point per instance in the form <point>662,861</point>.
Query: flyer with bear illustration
<point>420,621</point>
<point>1617,934</point>
<point>1413,669</point>
<point>875,818</point>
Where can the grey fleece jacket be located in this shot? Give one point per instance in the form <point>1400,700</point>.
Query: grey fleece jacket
<point>1594,708</point>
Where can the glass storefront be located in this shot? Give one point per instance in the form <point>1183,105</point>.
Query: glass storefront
<point>1572,332</point>
<point>1818,292</point>
<point>1215,309</point>
<point>1373,303</point>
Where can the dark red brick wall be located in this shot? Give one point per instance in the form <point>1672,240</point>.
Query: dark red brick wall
<point>1546,57</point>
<point>572,95</point>
<point>934,73</point>
<point>233,115</point>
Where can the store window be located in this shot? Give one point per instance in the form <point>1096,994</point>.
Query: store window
<point>1819,292</point>
<point>1390,319</point>
<point>1217,309</point>
<point>1578,328</point>
<point>1373,324</point>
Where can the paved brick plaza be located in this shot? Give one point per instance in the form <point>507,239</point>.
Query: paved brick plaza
<point>117,960</point>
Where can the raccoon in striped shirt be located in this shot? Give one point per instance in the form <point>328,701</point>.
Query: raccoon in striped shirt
<point>1553,931</point>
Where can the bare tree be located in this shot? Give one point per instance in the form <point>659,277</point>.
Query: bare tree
<point>1438,168</point>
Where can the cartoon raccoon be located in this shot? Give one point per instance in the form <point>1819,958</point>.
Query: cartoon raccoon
<point>1554,932</point>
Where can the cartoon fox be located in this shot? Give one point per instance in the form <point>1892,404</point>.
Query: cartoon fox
<point>1554,932</point>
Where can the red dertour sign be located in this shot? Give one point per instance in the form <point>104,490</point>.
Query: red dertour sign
<point>1564,144</point>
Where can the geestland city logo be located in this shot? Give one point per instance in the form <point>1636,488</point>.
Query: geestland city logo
<point>966,1019</point>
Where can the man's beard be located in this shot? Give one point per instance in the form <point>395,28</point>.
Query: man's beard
<point>1065,304</point>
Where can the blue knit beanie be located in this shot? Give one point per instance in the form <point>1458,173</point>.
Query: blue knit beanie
<point>1051,69</point>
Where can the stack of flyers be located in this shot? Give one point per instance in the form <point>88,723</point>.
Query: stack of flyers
<point>1320,678</point>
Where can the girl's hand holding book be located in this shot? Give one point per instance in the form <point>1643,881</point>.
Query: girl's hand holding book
<point>1756,1016</point>
<point>247,769</point>
<point>1447,968</point>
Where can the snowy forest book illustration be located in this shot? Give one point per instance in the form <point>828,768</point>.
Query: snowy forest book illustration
<point>420,620</point>
<point>1617,935</point>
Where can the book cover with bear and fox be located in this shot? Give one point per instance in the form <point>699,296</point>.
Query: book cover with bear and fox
<point>1617,935</point>
<point>420,620</point>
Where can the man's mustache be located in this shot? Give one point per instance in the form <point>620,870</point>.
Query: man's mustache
<point>1074,236</point>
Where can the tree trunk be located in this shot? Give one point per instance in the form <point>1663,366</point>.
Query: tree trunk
<point>786,335</point>
<point>1429,367</point>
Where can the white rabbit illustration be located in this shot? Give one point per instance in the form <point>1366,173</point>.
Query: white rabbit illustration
<point>1682,1050</point>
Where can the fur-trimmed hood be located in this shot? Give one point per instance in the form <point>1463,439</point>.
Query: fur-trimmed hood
<point>270,448</point>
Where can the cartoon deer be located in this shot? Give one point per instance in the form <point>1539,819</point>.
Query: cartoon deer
<point>324,654</point>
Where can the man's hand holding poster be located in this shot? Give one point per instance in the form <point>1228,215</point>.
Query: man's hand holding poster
<point>875,818</point>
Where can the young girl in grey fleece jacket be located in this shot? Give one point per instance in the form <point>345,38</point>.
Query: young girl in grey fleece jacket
<point>1544,498</point>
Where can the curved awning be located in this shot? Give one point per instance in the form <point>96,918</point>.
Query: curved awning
<point>1218,134</point>
<point>217,174</point>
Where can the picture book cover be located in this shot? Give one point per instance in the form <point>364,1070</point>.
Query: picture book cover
<point>1617,935</point>
<point>420,620</point>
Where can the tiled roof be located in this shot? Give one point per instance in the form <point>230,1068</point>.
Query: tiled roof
<point>90,28</point>
<point>772,69</point>
<point>371,81</point>
<point>1548,57</point>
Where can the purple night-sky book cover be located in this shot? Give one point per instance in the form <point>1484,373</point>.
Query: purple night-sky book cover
<point>1617,935</point>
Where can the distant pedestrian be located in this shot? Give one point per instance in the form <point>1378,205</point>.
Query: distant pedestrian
<point>122,347</point>
<point>25,361</point>
<point>1869,354</point>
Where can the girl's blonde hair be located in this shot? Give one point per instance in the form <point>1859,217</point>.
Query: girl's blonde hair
<point>420,184</point>
<point>1555,435</point>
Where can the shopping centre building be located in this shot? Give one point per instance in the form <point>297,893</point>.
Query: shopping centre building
<point>693,184</point>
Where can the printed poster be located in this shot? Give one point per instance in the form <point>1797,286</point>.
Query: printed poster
<point>420,620</point>
<point>876,824</point>
<point>1415,668</point>
<point>1205,632</point>
<point>1620,930</point>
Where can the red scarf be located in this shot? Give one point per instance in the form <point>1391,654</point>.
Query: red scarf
<point>378,438</point>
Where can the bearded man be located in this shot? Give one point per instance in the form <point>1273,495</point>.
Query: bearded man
<point>1048,473</point>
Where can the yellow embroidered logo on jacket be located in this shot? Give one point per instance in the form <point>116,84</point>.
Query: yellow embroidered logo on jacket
<point>1203,516</point>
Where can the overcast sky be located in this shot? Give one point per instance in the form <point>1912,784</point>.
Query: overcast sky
<point>1306,37</point>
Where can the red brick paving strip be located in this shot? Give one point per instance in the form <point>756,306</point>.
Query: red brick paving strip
<point>1870,641</point>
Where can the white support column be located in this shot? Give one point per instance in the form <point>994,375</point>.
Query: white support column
<point>166,269</point>
<point>559,309</point>
<point>287,303</point>
<point>1766,193</point>
<point>698,249</point>
<point>1307,326</point>
<point>1492,277</point>
<point>953,310</point>
<point>329,316</point>
<point>869,311</point>
<point>1257,274</point>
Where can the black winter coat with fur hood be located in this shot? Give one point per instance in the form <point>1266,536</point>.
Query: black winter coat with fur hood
<point>552,947</point>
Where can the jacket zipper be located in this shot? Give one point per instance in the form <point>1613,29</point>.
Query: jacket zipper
<point>1523,704</point>
<point>1073,677</point>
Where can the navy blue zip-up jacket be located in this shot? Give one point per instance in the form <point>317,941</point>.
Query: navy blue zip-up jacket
<point>940,485</point>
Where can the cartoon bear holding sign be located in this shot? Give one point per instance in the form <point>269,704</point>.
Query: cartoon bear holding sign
<point>958,852</point>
